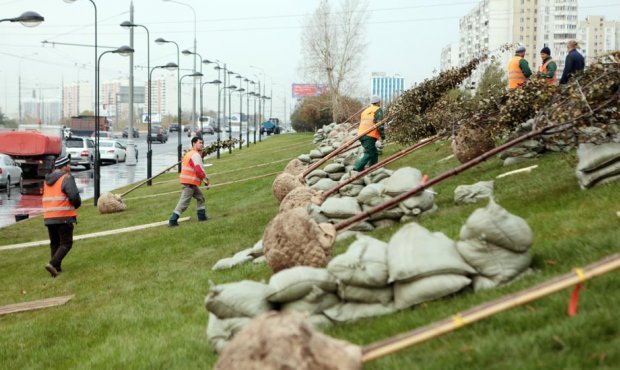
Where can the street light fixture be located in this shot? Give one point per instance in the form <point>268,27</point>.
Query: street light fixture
<point>247,131</point>
<point>27,19</point>
<point>161,41</point>
<point>240,91</point>
<point>230,88</point>
<point>149,152</point>
<point>123,51</point>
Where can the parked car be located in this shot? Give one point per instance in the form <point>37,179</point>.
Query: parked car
<point>112,151</point>
<point>81,150</point>
<point>135,132</point>
<point>174,127</point>
<point>269,127</point>
<point>158,133</point>
<point>10,174</point>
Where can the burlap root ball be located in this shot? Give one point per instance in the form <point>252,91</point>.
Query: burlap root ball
<point>283,184</point>
<point>295,167</point>
<point>471,142</point>
<point>298,197</point>
<point>110,203</point>
<point>275,341</point>
<point>292,238</point>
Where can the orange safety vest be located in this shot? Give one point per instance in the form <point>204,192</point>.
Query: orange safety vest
<point>188,173</point>
<point>56,204</point>
<point>368,120</point>
<point>543,69</point>
<point>516,78</point>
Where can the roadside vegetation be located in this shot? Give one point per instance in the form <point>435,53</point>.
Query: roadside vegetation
<point>139,296</point>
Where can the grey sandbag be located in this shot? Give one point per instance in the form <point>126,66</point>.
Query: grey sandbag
<point>590,179</point>
<point>351,190</point>
<point>230,262</point>
<point>334,168</point>
<point>315,153</point>
<point>345,312</point>
<point>427,289</point>
<point>220,331</point>
<point>362,226</point>
<point>317,173</point>
<point>495,225</point>
<point>304,158</point>
<point>324,184</point>
<point>415,252</point>
<point>402,180</point>
<point>464,194</point>
<point>315,302</point>
<point>344,207</point>
<point>319,321</point>
<point>370,192</point>
<point>336,176</point>
<point>362,294</point>
<point>292,284</point>
<point>363,264</point>
<point>498,264</point>
<point>245,298</point>
<point>347,176</point>
<point>420,202</point>
<point>592,156</point>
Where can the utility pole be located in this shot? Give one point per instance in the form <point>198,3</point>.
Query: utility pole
<point>130,159</point>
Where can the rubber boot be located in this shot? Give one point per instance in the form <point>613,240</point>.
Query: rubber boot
<point>202,215</point>
<point>173,221</point>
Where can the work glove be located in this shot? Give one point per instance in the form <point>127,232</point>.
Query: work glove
<point>379,144</point>
<point>207,183</point>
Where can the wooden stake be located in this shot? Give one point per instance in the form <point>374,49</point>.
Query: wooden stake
<point>35,305</point>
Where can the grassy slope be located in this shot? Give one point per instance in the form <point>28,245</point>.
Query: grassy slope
<point>139,296</point>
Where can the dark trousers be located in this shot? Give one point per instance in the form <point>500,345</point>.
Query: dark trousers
<point>371,155</point>
<point>61,241</point>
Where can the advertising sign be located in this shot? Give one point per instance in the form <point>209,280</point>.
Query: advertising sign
<point>303,90</point>
<point>156,118</point>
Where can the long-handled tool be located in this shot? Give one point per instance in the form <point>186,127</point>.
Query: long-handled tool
<point>149,179</point>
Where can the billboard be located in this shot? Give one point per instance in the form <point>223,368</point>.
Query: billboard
<point>155,116</point>
<point>303,90</point>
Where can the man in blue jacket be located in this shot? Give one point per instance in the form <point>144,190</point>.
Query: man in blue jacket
<point>574,62</point>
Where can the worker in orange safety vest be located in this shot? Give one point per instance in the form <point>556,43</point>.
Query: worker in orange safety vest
<point>192,175</point>
<point>518,69</point>
<point>61,199</point>
<point>549,67</point>
<point>370,116</point>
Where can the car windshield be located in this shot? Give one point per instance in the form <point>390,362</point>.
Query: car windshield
<point>74,143</point>
<point>106,143</point>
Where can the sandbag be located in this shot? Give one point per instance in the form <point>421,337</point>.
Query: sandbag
<point>464,194</point>
<point>427,289</point>
<point>347,176</point>
<point>402,180</point>
<point>294,283</point>
<point>493,224</point>
<point>379,224</point>
<point>498,264</point>
<point>317,173</point>
<point>319,321</point>
<point>420,202</point>
<point>245,298</point>
<point>283,184</point>
<point>394,213</point>
<point>344,207</point>
<point>360,226</point>
<point>592,156</point>
<point>352,293</point>
<point>363,264</point>
<point>370,192</point>
<point>305,158</point>
<point>257,249</point>
<point>315,153</point>
<point>278,341</point>
<point>351,190</point>
<point>292,238</point>
<point>336,176</point>
<point>345,312</point>
<point>414,252</point>
<point>590,179</point>
<point>315,302</point>
<point>220,331</point>
<point>230,262</point>
<point>334,168</point>
<point>324,184</point>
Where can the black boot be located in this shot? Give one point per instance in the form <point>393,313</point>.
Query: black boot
<point>173,221</point>
<point>202,215</point>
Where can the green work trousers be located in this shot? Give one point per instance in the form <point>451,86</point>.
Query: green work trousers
<point>371,155</point>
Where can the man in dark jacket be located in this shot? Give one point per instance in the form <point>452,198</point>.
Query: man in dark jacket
<point>61,199</point>
<point>574,62</point>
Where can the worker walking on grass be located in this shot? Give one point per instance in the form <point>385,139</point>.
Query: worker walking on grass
<point>61,199</point>
<point>548,68</point>
<point>518,69</point>
<point>192,175</point>
<point>370,116</point>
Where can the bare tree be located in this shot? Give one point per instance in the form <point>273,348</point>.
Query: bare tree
<point>333,45</point>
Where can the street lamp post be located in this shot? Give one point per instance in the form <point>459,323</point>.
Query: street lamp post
<point>161,41</point>
<point>195,48</point>
<point>240,91</point>
<point>124,51</point>
<point>247,129</point>
<point>149,152</point>
<point>189,52</point>
<point>230,91</point>
<point>219,93</point>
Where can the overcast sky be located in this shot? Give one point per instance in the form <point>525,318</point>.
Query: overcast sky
<point>404,36</point>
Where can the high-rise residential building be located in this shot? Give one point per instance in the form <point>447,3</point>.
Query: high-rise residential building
<point>115,101</point>
<point>557,25</point>
<point>77,97</point>
<point>164,95</point>
<point>386,87</point>
<point>45,111</point>
<point>450,56</point>
<point>598,36</point>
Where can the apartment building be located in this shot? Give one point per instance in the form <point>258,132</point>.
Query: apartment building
<point>77,97</point>
<point>598,36</point>
<point>557,24</point>
<point>163,94</point>
<point>450,56</point>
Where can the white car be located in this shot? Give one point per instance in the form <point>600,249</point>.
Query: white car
<point>112,151</point>
<point>10,173</point>
<point>81,150</point>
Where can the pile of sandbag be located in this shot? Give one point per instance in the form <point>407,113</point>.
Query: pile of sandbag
<point>329,138</point>
<point>424,266</point>
<point>496,243</point>
<point>254,254</point>
<point>598,164</point>
<point>464,194</point>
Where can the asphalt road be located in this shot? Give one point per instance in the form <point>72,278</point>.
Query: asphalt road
<point>113,176</point>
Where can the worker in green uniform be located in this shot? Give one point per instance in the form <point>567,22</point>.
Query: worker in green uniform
<point>370,116</point>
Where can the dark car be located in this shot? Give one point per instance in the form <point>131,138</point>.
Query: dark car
<point>135,133</point>
<point>158,133</point>
<point>174,127</point>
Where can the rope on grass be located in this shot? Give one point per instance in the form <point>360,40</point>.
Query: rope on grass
<point>391,345</point>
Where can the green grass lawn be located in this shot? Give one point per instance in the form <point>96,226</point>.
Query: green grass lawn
<point>139,296</point>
